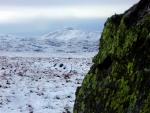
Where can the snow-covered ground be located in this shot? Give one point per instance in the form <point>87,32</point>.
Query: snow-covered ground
<point>46,55</point>
<point>40,84</point>
<point>41,74</point>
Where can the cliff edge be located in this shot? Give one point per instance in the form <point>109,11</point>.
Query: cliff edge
<point>119,80</point>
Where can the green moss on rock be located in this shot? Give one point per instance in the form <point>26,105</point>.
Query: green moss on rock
<point>119,80</point>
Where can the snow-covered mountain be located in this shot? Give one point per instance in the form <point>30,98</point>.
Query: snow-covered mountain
<point>68,40</point>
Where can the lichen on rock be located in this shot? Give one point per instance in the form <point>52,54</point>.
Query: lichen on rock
<point>119,80</point>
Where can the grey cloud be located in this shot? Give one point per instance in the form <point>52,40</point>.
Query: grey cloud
<point>65,2</point>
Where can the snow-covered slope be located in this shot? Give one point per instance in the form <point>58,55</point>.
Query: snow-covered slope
<point>68,40</point>
<point>40,85</point>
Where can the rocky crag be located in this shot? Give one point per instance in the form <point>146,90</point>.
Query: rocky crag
<point>119,80</point>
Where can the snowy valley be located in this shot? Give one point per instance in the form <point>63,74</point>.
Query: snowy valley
<point>40,75</point>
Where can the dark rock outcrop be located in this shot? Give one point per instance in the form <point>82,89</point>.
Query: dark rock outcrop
<point>119,80</point>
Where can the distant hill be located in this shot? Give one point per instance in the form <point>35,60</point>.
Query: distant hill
<point>68,40</point>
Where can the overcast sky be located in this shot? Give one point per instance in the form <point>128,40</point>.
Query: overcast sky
<point>65,2</point>
<point>23,10</point>
<point>41,16</point>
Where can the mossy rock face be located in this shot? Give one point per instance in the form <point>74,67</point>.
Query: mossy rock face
<point>119,80</point>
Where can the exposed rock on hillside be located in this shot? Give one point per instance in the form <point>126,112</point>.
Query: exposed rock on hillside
<point>119,80</point>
